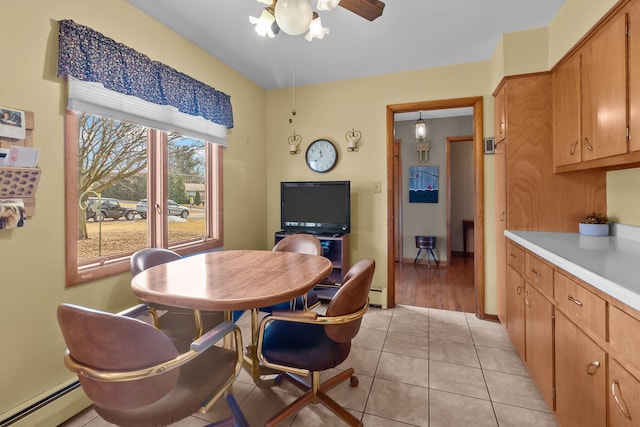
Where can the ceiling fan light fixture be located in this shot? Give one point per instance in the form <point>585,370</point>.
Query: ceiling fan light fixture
<point>264,24</point>
<point>293,16</point>
<point>316,30</point>
<point>327,4</point>
<point>421,129</point>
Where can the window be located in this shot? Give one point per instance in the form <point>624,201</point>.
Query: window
<point>129,187</point>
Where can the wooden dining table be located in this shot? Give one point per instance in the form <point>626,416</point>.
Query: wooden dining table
<point>232,280</point>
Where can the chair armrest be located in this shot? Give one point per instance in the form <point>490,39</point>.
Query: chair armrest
<point>213,336</point>
<point>295,314</point>
<point>135,311</point>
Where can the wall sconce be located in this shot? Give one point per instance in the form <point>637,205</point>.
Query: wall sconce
<point>421,129</point>
<point>423,152</point>
<point>294,143</point>
<point>352,137</point>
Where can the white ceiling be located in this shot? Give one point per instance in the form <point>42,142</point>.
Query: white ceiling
<point>410,35</point>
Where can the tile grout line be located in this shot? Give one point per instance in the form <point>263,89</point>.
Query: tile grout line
<point>484,378</point>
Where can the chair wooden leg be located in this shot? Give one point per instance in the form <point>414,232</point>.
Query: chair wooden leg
<point>335,407</point>
<point>319,396</point>
<point>297,404</point>
<point>334,381</point>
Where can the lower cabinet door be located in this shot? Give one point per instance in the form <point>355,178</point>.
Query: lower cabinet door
<point>580,377</point>
<point>624,389</point>
<point>539,341</point>
<point>515,310</point>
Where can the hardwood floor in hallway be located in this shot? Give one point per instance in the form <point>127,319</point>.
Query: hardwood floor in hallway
<point>446,288</point>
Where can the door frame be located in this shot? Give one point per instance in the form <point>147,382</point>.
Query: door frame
<point>450,140</point>
<point>478,160</point>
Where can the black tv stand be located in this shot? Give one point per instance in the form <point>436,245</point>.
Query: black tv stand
<point>337,252</point>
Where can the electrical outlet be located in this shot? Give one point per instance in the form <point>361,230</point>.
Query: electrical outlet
<point>377,187</point>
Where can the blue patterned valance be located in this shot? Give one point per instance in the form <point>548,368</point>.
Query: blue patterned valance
<point>90,56</point>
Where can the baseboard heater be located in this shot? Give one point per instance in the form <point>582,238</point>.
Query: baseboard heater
<point>20,415</point>
<point>378,296</point>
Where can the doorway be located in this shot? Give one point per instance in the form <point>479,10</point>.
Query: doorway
<point>392,197</point>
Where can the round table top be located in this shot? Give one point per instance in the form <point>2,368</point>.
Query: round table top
<point>231,280</point>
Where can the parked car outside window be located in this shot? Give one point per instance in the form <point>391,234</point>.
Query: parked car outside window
<point>173,208</point>
<point>107,208</point>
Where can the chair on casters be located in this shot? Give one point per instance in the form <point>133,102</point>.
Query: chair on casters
<point>304,342</point>
<point>428,243</point>
<point>179,322</point>
<point>134,374</point>
<point>302,244</point>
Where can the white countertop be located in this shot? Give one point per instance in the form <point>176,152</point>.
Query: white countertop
<point>609,263</point>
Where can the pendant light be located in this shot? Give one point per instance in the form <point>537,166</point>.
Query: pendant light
<point>421,129</point>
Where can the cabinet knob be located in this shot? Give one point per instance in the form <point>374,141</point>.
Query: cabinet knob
<point>537,273</point>
<point>619,399</point>
<point>587,144</point>
<point>592,367</point>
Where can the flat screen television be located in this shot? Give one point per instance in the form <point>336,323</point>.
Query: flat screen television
<point>315,207</point>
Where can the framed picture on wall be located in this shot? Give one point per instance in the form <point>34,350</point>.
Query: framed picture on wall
<point>12,123</point>
<point>423,184</point>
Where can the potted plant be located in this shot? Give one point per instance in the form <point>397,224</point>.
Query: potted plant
<point>594,224</point>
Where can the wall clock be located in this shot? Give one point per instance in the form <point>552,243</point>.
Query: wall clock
<point>321,156</point>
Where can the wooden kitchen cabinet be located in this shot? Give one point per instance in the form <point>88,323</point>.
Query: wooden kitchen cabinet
<point>539,318</point>
<point>515,310</point>
<point>633,58</point>
<point>624,389</point>
<point>501,226</point>
<point>580,345</point>
<point>567,135</point>
<point>580,377</point>
<point>529,194</point>
<point>596,96</point>
<point>581,305</point>
<point>589,98</point>
<point>500,114</point>
<point>535,197</point>
<point>624,335</point>
<point>604,97</point>
<point>538,273</point>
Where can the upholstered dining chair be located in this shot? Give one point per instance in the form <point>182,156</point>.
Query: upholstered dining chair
<point>302,244</point>
<point>177,322</point>
<point>302,343</point>
<point>134,374</point>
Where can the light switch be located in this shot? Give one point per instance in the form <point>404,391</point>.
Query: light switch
<point>377,187</point>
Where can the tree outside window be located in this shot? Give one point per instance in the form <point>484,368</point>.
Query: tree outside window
<point>118,165</point>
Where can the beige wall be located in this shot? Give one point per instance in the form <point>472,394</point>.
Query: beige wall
<point>329,111</point>
<point>32,266</point>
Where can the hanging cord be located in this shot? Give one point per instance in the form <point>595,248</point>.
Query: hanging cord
<point>292,79</point>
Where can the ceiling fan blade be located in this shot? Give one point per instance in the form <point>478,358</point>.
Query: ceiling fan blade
<point>368,9</point>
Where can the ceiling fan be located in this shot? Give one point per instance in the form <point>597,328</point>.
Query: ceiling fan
<point>294,17</point>
<point>368,9</point>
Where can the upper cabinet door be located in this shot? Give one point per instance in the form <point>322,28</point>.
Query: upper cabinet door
<point>604,92</point>
<point>633,39</point>
<point>500,114</point>
<point>566,112</point>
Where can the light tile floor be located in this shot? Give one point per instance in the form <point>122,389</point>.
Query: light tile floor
<point>417,367</point>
